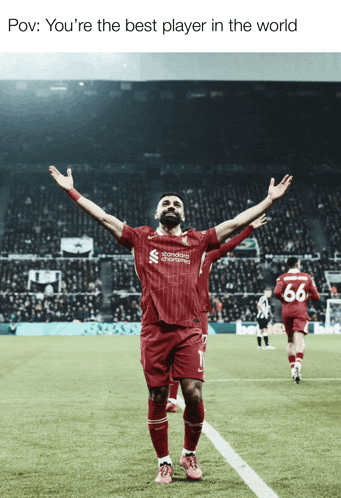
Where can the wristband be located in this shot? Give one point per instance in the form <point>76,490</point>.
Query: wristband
<point>74,194</point>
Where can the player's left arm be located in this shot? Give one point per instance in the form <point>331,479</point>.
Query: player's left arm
<point>275,192</point>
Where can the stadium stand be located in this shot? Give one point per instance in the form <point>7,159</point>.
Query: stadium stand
<point>328,205</point>
<point>37,217</point>
<point>217,143</point>
<point>30,307</point>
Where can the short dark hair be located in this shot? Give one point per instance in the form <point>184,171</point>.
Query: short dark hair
<point>292,262</point>
<point>175,194</point>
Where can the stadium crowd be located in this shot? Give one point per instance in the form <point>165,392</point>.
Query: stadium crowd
<point>77,275</point>
<point>287,231</point>
<point>125,308</point>
<point>38,216</point>
<point>38,307</point>
<point>328,206</point>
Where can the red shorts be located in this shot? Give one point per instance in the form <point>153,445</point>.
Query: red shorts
<point>204,328</point>
<point>295,324</point>
<point>171,347</point>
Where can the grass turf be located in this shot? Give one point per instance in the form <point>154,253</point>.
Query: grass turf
<point>73,419</point>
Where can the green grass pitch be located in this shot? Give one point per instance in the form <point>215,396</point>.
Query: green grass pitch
<point>74,419</point>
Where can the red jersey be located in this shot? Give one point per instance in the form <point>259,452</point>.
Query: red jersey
<point>168,267</point>
<point>293,289</point>
<point>210,258</point>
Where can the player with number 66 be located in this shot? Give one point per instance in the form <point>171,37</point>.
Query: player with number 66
<point>293,289</point>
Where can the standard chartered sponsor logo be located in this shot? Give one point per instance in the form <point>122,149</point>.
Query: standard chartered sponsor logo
<point>153,256</point>
<point>178,257</point>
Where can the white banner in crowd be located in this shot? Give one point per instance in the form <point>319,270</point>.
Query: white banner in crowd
<point>44,277</point>
<point>77,245</point>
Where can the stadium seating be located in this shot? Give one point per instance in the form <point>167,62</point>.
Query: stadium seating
<point>30,307</point>
<point>328,206</point>
<point>39,215</point>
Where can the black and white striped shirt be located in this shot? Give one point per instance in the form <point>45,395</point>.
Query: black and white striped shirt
<point>264,302</point>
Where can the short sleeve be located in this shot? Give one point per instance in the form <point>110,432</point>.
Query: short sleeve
<point>128,238</point>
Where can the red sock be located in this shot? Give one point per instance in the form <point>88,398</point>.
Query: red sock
<point>158,427</point>
<point>194,419</point>
<point>291,360</point>
<point>299,357</point>
<point>173,390</point>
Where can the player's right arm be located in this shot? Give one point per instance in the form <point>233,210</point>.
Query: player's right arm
<point>110,223</point>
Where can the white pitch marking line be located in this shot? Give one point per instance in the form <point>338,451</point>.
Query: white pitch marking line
<point>249,476</point>
<point>270,380</point>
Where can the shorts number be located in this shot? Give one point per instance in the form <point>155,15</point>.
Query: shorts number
<point>290,295</point>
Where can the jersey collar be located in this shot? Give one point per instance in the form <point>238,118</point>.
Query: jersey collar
<point>158,231</point>
<point>294,270</point>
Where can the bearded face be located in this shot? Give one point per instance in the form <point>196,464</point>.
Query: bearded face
<point>170,219</point>
<point>170,211</point>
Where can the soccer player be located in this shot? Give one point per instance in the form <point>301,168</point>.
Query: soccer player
<point>293,289</point>
<point>204,297</point>
<point>263,318</point>
<point>168,263</point>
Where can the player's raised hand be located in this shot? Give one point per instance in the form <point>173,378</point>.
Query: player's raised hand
<point>64,182</point>
<point>276,192</point>
<point>259,222</point>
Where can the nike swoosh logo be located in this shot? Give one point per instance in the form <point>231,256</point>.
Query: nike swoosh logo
<point>151,236</point>
<point>200,369</point>
<point>158,428</point>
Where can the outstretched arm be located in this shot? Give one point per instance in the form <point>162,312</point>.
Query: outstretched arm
<point>237,239</point>
<point>227,228</point>
<point>110,223</point>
